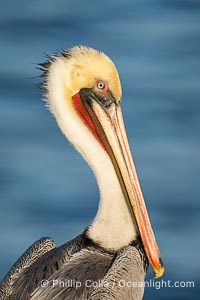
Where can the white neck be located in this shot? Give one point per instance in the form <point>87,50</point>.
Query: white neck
<point>113,226</point>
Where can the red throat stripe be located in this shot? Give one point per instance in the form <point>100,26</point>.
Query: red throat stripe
<point>85,117</point>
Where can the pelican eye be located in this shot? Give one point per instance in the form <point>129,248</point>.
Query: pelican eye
<point>100,85</point>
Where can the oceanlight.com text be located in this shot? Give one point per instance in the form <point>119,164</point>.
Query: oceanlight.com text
<point>152,283</point>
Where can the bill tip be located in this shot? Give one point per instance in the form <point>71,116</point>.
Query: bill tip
<point>160,271</point>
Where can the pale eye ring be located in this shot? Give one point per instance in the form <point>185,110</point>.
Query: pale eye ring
<point>100,85</point>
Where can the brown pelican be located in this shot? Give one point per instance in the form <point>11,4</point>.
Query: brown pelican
<point>108,260</point>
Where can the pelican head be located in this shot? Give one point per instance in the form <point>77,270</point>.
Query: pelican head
<point>83,91</point>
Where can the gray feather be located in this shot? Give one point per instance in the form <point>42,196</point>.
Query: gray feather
<point>33,253</point>
<point>46,265</point>
<point>124,280</point>
<point>77,270</point>
<point>88,265</point>
<point>94,274</point>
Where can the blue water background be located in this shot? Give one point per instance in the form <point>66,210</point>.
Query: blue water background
<point>46,188</point>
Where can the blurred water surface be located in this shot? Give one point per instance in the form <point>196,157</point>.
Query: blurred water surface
<point>46,188</point>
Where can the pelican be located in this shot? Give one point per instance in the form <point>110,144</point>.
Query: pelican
<point>109,259</point>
